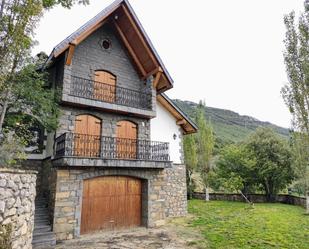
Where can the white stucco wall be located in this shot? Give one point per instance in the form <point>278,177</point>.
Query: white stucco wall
<point>162,128</point>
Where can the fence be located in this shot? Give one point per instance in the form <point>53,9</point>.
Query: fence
<point>255,198</point>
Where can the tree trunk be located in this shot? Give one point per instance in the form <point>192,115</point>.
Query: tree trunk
<point>6,97</point>
<point>189,185</point>
<point>2,8</point>
<point>269,191</point>
<point>2,116</point>
<point>206,194</point>
<point>307,202</point>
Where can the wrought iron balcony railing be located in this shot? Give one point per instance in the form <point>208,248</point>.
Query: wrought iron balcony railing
<point>91,89</point>
<point>89,146</point>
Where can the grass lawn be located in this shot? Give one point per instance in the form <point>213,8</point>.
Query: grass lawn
<point>235,225</point>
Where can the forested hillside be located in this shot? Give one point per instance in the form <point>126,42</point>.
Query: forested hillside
<point>229,125</point>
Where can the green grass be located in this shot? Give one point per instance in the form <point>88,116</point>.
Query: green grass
<point>232,225</point>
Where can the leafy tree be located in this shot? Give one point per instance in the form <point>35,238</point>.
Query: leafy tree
<point>190,156</point>
<point>296,91</point>
<point>273,168</point>
<point>18,19</point>
<point>205,145</point>
<point>263,161</point>
<point>235,170</point>
<point>22,88</point>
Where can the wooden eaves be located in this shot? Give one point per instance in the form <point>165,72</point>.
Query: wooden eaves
<point>182,120</point>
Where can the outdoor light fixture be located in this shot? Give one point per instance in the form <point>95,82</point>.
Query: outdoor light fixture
<point>174,136</point>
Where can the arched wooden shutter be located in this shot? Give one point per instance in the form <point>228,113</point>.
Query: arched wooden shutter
<point>87,136</point>
<point>126,140</point>
<point>104,86</point>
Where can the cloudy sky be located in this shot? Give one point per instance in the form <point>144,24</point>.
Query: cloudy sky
<point>228,53</point>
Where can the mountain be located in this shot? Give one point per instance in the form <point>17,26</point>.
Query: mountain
<point>229,126</point>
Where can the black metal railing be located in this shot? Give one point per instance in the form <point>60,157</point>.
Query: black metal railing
<point>81,145</point>
<point>91,89</point>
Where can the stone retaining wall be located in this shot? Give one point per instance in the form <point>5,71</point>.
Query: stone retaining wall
<point>17,195</point>
<point>256,198</point>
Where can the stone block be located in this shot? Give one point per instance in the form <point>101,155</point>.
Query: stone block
<point>2,206</point>
<point>63,228</point>
<point>67,209</point>
<point>63,173</point>
<point>62,195</point>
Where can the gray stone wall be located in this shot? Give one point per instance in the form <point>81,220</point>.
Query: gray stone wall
<point>36,165</point>
<point>69,189</point>
<point>176,191</point>
<point>17,195</point>
<point>163,195</point>
<point>89,56</point>
<point>109,122</point>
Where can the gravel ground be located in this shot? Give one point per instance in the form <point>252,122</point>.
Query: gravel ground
<point>170,236</point>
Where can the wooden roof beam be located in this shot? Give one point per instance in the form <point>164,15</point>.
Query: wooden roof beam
<point>139,34</point>
<point>157,79</point>
<point>85,34</point>
<point>70,54</point>
<point>181,122</point>
<point>130,49</point>
<point>152,72</point>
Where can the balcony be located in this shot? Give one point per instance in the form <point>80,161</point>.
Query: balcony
<point>100,95</point>
<point>87,150</point>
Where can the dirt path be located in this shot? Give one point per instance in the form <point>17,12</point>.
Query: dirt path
<point>171,236</point>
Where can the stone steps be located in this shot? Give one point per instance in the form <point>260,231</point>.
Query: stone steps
<point>42,228</point>
<point>43,236</point>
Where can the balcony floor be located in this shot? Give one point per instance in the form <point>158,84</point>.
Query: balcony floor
<point>118,163</point>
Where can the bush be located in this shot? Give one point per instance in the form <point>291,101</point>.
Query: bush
<point>5,236</point>
<point>12,149</point>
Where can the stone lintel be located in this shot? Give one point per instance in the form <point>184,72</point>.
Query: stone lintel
<point>107,106</point>
<point>118,163</point>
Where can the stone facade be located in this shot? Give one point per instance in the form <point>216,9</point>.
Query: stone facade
<point>109,122</point>
<point>163,195</point>
<point>89,56</point>
<point>163,184</point>
<point>69,189</point>
<point>17,195</point>
<point>176,191</point>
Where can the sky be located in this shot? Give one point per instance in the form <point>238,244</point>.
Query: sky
<point>227,53</point>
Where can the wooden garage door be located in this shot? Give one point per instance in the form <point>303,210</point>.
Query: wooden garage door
<point>111,202</point>
<point>104,86</point>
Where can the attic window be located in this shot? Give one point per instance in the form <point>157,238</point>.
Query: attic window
<point>106,44</point>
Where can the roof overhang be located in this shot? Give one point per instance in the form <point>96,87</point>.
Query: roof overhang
<point>122,18</point>
<point>187,125</point>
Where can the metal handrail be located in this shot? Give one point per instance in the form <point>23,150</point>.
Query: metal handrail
<point>90,89</point>
<point>91,146</point>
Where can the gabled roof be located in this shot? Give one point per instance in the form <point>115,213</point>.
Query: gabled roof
<point>122,17</point>
<point>183,120</point>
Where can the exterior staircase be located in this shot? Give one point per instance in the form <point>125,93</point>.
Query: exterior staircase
<point>43,236</point>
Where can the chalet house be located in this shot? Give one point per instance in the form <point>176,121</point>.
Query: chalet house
<point>116,160</point>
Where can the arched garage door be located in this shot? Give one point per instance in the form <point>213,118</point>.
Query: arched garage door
<point>111,202</point>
